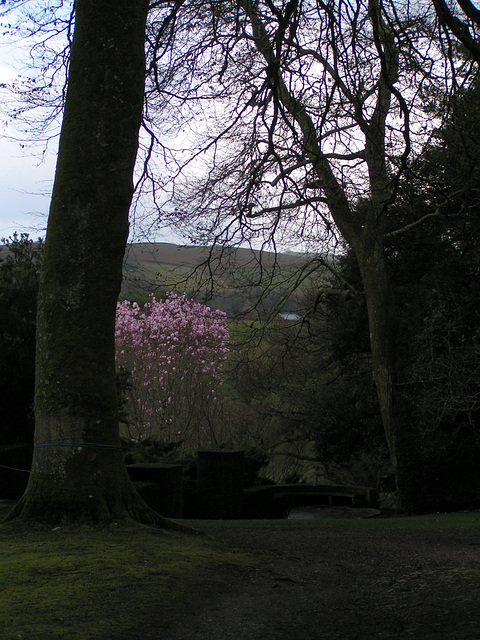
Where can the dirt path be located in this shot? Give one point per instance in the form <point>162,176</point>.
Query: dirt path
<point>337,583</point>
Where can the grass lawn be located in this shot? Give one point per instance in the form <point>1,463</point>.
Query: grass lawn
<point>87,583</point>
<point>460,520</point>
<point>81,582</point>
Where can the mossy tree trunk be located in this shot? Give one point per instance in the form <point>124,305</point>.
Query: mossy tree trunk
<point>78,470</point>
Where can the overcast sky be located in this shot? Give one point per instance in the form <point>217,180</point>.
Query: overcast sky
<point>25,180</point>
<point>26,174</point>
<point>25,186</point>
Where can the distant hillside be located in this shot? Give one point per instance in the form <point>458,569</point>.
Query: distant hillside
<point>229,279</point>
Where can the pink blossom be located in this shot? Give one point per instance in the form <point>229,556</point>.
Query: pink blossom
<point>175,350</point>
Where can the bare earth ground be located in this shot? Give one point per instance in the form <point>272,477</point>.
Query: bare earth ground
<point>335,582</point>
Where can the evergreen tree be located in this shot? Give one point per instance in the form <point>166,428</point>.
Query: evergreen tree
<point>20,261</point>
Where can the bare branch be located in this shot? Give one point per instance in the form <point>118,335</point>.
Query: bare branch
<point>458,28</point>
<point>413,225</point>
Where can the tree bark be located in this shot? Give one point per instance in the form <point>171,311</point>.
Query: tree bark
<point>78,470</point>
<point>382,327</point>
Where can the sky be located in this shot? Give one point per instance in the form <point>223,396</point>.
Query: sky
<point>25,178</point>
<point>25,186</point>
<point>27,173</point>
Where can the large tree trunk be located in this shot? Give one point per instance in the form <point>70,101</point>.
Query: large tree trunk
<point>78,470</point>
<point>394,409</point>
<point>382,326</point>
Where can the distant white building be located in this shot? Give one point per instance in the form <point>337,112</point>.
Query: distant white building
<point>291,316</point>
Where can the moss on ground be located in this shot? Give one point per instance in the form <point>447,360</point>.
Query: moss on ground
<point>85,583</point>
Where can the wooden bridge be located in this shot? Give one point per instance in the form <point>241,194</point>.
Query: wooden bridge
<point>275,501</point>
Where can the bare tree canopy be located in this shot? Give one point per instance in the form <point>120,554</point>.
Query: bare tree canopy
<point>306,114</point>
<point>285,123</point>
<point>463,21</point>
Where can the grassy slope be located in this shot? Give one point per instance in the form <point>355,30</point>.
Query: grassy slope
<point>150,267</point>
<point>83,583</point>
<point>175,255</point>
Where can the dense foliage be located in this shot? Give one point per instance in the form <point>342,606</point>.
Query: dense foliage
<point>19,272</point>
<point>441,325</point>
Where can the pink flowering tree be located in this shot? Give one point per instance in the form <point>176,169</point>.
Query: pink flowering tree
<point>174,350</point>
